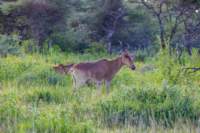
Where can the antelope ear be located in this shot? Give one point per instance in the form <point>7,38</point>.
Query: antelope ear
<point>123,52</point>
<point>126,51</point>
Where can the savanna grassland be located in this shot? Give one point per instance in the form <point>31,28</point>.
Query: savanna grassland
<point>160,96</point>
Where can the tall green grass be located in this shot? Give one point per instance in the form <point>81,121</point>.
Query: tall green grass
<point>160,94</point>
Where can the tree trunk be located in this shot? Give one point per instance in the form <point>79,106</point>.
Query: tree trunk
<point>189,49</point>
<point>39,44</point>
<point>109,48</point>
<point>50,44</point>
<point>162,32</point>
<point>188,44</point>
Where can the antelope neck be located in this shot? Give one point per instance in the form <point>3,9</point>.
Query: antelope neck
<point>117,63</point>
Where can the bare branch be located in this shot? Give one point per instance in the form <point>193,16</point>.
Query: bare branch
<point>149,7</point>
<point>194,69</point>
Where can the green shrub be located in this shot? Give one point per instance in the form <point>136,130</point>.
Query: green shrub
<point>172,71</point>
<point>71,40</point>
<point>95,48</point>
<point>140,55</point>
<point>29,46</point>
<point>9,45</point>
<point>146,105</point>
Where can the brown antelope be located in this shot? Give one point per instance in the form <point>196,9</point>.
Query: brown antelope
<point>100,71</point>
<point>62,69</point>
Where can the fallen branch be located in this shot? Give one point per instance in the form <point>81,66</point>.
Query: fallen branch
<point>194,69</point>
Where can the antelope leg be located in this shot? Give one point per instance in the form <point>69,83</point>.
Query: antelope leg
<point>107,86</point>
<point>98,84</point>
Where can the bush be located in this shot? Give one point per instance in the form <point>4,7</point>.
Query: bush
<point>70,41</point>
<point>147,105</point>
<point>173,71</point>
<point>141,55</point>
<point>9,45</point>
<point>95,48</point>
<point>29,46</point>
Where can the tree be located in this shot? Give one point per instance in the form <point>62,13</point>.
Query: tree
<point>172,16</point>
<point>43,18</point>
<point>110,17</point>
<point>191,24</point>
<point>34,19</point>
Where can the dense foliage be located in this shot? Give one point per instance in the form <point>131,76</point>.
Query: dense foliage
<point>115,24</point>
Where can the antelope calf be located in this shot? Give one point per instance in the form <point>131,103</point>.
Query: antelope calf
<point>100,71</point>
